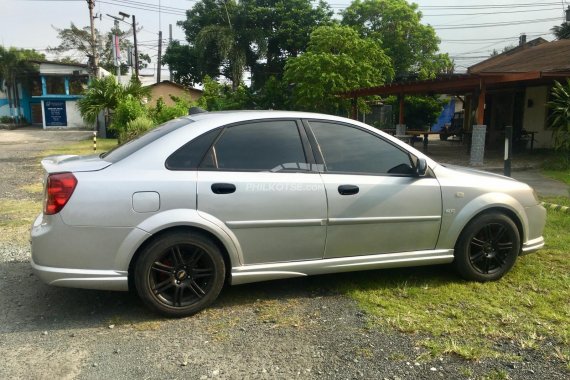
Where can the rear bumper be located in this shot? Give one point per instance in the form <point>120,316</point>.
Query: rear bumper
<point>82,278</point>
<point>532,245</point>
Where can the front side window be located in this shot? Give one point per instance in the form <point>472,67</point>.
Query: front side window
<point>272,145</point>
<point>348,149</point>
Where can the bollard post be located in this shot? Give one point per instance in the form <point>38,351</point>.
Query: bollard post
<point>508,150</point>
<point>94,140</point>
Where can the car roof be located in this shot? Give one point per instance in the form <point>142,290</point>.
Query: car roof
<point>259,114</point>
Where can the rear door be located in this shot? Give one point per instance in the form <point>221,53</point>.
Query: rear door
<point>376,204</point>
<point>257,179</point>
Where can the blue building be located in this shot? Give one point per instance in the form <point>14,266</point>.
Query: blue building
<point>49,97</point>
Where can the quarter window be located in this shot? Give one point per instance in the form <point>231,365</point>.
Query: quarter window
<point>189,156</point>
<point>259,146</point>
<point>347,149</point>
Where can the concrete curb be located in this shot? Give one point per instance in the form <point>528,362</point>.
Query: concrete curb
<point>552,206</point>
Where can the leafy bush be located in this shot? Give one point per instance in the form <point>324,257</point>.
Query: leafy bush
<point>162,113</point>
<point>128,109</point>
<point>419,111</point>
<point>560,118</point>
<point>135,128</point>
<point>6,119</point>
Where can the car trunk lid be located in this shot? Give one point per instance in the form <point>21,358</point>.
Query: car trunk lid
<point>73,163</point>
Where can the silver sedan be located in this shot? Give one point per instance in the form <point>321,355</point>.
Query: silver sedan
<point>238,197</point>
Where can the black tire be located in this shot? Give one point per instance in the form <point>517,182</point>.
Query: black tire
<point>487,248</point>
<point>179,274</point>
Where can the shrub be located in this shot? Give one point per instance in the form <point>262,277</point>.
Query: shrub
<point>135,128</point>
<point>128,109</point>
<point>163,113</point>
<point>560,118</point>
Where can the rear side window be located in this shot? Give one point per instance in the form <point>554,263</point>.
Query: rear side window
<point>190,155</point>
<point>273,145</point>
<point>125,150</point>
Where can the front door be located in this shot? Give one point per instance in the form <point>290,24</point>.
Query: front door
<point>376,203</point>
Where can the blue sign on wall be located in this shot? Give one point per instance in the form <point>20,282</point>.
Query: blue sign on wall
<point>55,114</point>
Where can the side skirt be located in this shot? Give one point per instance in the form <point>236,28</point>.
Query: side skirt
<point>274,271</point>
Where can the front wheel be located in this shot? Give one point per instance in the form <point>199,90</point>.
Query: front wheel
<point>179,274</point>
<point>487,248</point>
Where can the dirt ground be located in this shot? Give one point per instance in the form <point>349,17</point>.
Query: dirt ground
<point>298,328</point>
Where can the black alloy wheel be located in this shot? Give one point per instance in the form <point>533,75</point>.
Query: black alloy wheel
<point>179,274</point>
<point>487,248</point>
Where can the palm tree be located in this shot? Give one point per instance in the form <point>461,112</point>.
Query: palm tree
<point>104,94</point>
<point>562,32</point>
<point>560,117</point>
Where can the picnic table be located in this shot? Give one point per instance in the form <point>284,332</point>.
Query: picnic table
<point>425,134</point>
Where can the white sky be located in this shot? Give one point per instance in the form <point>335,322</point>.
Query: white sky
<point>29,23</point>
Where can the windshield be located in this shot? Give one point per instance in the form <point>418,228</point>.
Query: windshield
<point>125,150</point>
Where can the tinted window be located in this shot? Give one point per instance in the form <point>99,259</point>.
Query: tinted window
<point>269,145</point>
<point>132,146</point>
<point>189,156</point>
<point>352,150</point>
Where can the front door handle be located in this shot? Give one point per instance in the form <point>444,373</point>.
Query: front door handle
<point>223,188</point>
<point>348,189</point>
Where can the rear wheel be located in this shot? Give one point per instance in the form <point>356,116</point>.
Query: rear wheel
<point>487,248</point>
<point>179,274</point>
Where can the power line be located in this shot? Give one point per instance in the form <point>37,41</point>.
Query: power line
<point>487,13</point>
<point>492,24</point>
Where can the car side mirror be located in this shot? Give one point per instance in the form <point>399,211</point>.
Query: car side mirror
<point>421,167</point>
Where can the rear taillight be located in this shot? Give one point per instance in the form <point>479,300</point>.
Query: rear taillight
<point>59,188</point>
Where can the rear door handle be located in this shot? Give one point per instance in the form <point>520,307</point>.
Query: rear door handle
<point>348,189</point>
<point>223,188</point>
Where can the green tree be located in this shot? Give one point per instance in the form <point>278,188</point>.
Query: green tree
<point>412,46</point>
<point>419,111</point>
<point>16,66</point>
<point>76,46</point>
<point>337,59</point>
<point>562,31</point>
<point>282,30</point>
<point>219,43</point>
<point>228,38</point>
<point>560,118</point>
<point>185,64</point>
<point>218,97</point>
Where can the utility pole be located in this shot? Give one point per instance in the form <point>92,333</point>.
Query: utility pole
<point>159,65</point>
<point>136,49</point>
<point>169,43</point>
<point>91,4</point>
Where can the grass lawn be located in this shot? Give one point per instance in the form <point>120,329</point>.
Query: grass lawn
<point>528,307</point>
<point>84,147</point>
<point>560,175</point>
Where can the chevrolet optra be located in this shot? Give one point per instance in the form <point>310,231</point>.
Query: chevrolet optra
<point>238,197</point>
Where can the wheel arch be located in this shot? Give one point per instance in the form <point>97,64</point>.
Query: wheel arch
<point>501,210</point>
<point>180,228</point>
<point>486,203</point>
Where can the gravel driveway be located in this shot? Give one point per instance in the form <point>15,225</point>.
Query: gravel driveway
<point>299,328</point>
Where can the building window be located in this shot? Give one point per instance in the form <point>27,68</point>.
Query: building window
<point>77,85</point>
<point>36,86</point>
<point>55,85</point>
